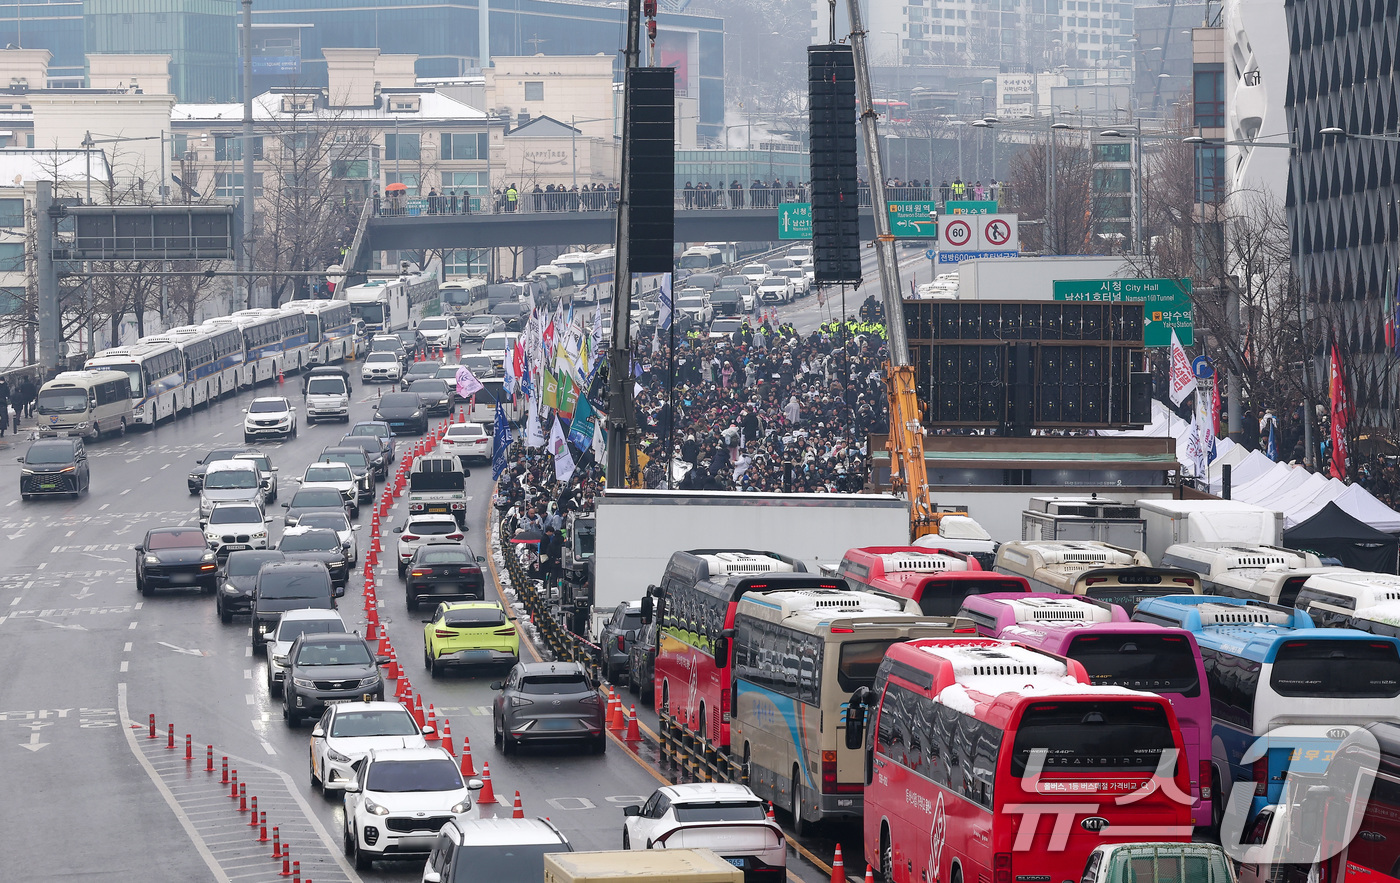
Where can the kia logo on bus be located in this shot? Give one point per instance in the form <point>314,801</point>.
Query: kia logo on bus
<point>1094,823</point>
<point>1338,733</point>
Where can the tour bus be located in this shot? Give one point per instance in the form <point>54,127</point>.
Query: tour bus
<point>464,297</point>
<point>1095,570</point>
<point>1272,586</point>
<point>700,259</point>
<point>330,330</point>
<point>1236,563</point>
<point>389,305</point>
<point>593,274</point>
<point>89,403</point>
<point>156,374</point>
<point>1115,652</point>
<point>558,281</point>
<point>798,657</point>
<point>971,744</point>
<point>1268,667</point>
<point>937,580</point>
<point>214,365</point>
<point>1368,602</point>
<point>698,597</point>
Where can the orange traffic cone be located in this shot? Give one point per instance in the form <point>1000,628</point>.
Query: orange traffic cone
<point>447,736</point>
<point>468,768</point>
<point>418,710</point>
<point>517,812</point>
<point>633,733</point>
<point>770,811</point>
<point>869,875</point>
<point>487,795</point>
<point>616,721</point>
<point>838,867</point>
<point>432,722</point>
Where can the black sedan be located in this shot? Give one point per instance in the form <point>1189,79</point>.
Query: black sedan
<point>404,413</point>
<point>418,371</point>
<point>441,572</point>
<point>175,557</point>
<point>238,579</point>
<point>318,544</point>
<point>437,395</point>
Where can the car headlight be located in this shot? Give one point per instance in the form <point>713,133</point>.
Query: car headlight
<point>417,413</point>
<point>208,556</point>
<point>303,682</point>
<point>69,468</point>
<point>230,589</point>
<point>260,535</point>
<point>151,559</point>
<point>375,809</point>
<point>24,471</point>
<point>195,476</point>
<point>462,807</point>
<point>370,681</point>
<point>335,756</point>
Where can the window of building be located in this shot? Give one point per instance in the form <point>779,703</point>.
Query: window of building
<point>229,185</point>
<point>11,257</point>
<point>1209,98</point>
<point>1210,173</point>
<point>1113,152</point>
<point>179,143</point>
<point>534,91</point>
<point>351,169</point>
<point>11,212</point>
<point>402,146</point>
<point>11,300</point>
<point>1113,180</point>
<point>464,145</point>
<point>230,148</point>
<point>467,262</point>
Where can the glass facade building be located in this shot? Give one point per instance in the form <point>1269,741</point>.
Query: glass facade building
<point>719,168</point>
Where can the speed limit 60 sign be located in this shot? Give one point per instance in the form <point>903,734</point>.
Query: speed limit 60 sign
<point>958,234</point>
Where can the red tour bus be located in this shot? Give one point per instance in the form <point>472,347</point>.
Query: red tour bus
<point>937,579</point>
<point>989,761</point>
<point>1117,652</point>
<point>698,596</point>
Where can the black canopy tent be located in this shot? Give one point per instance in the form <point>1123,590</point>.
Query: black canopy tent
<point>1332,533</point>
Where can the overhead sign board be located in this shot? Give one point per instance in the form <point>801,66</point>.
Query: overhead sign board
<point>1166,303</point>
<point>970,207</point>
<point>795,220</point>
<point>914,220</point>
<point>150,232</point>
<point>968,236</point>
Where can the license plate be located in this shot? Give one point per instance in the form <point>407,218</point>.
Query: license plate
<point>438,510</point>
<point>336,701</point>
<point>736,862</point>
<point>236,547</point>
<point>446,588</point>
<point>555,724</point>
<point>182,578</point>
<point>49,485</point>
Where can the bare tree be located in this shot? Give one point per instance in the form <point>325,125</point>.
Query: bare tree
<point>1073,211</point>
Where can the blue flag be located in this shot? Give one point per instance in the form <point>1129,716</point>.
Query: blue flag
<point>581,428</point>
<point>1271,449</point>
<point>500,444</point>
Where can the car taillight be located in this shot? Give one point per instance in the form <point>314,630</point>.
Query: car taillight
<point>444,633</point>
<point>965,630</point>
<point>415,507</point>
<point>456,506</point>
<point>621,644</point>
<point>454,536</point>
<point>1205,779</point>
<point>420,573</point>
<point>1261,776</point>
<point>1184,580</point>
<point>206,567</point>
<point>724,706</point>
<point>410,536</point>
<point>828,772</point>
<point>1095,580</point>
<point>508,630</point>
<point>1001,867</point>
<point>842,631</point>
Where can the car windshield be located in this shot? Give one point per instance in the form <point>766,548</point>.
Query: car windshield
<point>325,386</point>
<point>310,541</point>
<point>319,496</point>
<point>353,724</point>
<point>466,430</point>
<point>300,584</point>
<point>260,460</point>
<point>385,344</point>
<point>249,563</point>
<point>336,521</point>
<point>561,683</point>
<point>444,555</point>
<point>235,515</point>
<point>376,430</point>
<point>409,338</point>
<point>351,651</point>
<point>230,479</point>
<point>62,401</point>
<point>429,386</point>
<point>515,861</point>
<point>431,528</point>
<point>42,455</point>
<point>381,356</point>
<point>720,811</point>
<point>477,364</point>
<point>726,326</point>
<point>398,776</point>
<point>175,539</point>
<point>474,617</point>
<point>267,406</point>
<point>349,458</point>
<point>694,302</point>
<point>218,454</point>
<point>494,344</point>
<point>289,630</point>
<point>433,325</point>
<point>424,369</point>
<point>400,400</point>
<point>329,472</point>
<point>479,321</point>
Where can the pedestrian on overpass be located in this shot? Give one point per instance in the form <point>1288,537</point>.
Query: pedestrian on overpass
<point>512,197</point>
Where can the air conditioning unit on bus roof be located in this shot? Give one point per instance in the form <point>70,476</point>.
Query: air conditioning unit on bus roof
<point>1067,609</point>
<point>842,601</point>
<point>977,660</point>
<point>920,562</point>
<point>742,563</point>
<point>1247,614</point>
<point>1086,553</point>
<point>1387,611</point>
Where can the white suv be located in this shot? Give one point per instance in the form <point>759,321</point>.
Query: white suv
<point>347,731</point>
<point>230,481</point>
<point>338,476</point>
<point>236,526</point>
<point>775,289</point>
<point>493,849</point>
<point>381,367</point>
<point>292,625</point>
<point>422,530</point>
<point>443,331</point>
<point>399,800</point>
<point>269,416</point>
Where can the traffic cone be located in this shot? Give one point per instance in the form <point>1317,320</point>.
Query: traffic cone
<point>432,722</point>
<point>447,736</point>
<point>418,711</point>
<point>394,671</point>
<point>517,812</point>
<point>770,811</point>
<point>838,867</point>
<point>487,795</point>
<point>633,733</point>
<point>869,875</point>
<point>468,768</point>
<point>615,721</point>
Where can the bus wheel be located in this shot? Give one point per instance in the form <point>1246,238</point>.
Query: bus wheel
<point>957,874</point>
<point>886,855</point>
<point>799,825</point>
<point>121,430</point>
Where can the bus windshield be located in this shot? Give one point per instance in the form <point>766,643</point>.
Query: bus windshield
<point>456,296</point>
<point>859,662</point>
<point>1154,663</point>
<point>62,401</point>
<point>1337,669</point>
<point>1085,737</point>
<point>372,314</point>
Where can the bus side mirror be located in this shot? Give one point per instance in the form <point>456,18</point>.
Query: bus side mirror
<point>648,608</point>
<point>855,718</point>
<point>722,649</point>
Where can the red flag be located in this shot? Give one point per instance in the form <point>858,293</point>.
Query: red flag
<point>1215,409</point>
<point>1341,414</point>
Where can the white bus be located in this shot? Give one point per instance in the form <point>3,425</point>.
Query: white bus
<point>297,345</point>
<point>798,656</point>
<point>701,259</point>
<point>593,274</point>
<point>1235,563</point>
<point>262,341</point>
<point>214,364</point>
<point>330,329</point>
<point>86,403</point>
<point>464,297</point>
<point>558,280</point>
<point>1095,570</point>
<point>156,373</point>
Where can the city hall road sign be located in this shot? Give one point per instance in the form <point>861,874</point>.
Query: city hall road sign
<point>1166,303</point>
<point>795,220</point>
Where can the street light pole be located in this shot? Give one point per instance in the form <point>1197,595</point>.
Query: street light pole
<point>247,221</point>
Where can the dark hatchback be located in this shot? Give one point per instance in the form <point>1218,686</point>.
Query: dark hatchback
<point>419,371</point>
<point>374,449</point>
<point>195,480</point>
<point>404,413</point>
<point>318,544</point>
<point>288,585</point>
<point>175,558</point>
<point>54,466</point>
<point>441,572</point>
<point>309,499</point>
<point>238,580</point>
<point>437,395</point>
<point>321,669</point>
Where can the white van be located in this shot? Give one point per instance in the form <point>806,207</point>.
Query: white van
<point>230,481</point>
<point>327,392</point>
<point>86,403</point>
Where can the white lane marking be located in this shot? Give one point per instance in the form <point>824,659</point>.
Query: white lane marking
<point>250,699</point>
<point>147,478</point>
<point>268,748</point>
<point>126,648</point>
<point>138,605</point>
<point>164,790</point>
<point>124,665</point>
<point>43,565</point>
<point>132,626</point>
<point>2,619</point>
<point>247,651</point>
<point>248,672</point>
<point>166,466</point>
<point>70,533</point>
<point>125,492</point>
<point>14,602</point>
<point>103,507</point>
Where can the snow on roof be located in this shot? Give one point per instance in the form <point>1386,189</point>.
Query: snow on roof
<point>989,670</point>
<point>267,107</point>
<point>46,165</point>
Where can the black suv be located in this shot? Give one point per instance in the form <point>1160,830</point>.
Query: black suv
<point>321,669</point>
<point>288,585</point>
<point>54,466</point>
<point>616,639</point>
<point>239,578</point>
<point>641,668</point>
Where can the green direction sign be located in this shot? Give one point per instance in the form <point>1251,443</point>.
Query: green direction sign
<point>1166,303</point>
<point>795,220</point>
<point>914,220</point>
<point>970,207</point>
